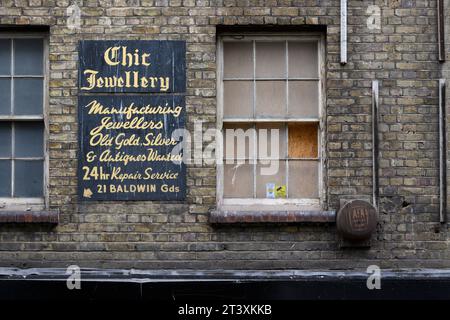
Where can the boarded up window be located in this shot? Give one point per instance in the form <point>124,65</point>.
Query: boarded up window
<point>271,93</point>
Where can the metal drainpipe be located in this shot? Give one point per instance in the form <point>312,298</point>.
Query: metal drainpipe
<point>343,32</point>
<point>440,26</point>
<point>375,145</point>
<point>442,154</point>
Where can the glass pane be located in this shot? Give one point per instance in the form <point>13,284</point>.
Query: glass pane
<point>238,141</point>
<point>303,179</point>
<point>303,60</point>
<point>238,180</point>
<point>271,179</point>
<point>29,140</point>
<point>28,96</point>
<point>28,56</point>
<point>304,99</point>
<point>271,140</point>
<point>5,139</point>
<point>5,178</point>
<point>303,141</point>
<point>5,57</point>
<point>270,59</point>
<point>238,59</point>
<point>5,96</point>
<point>270,99</point>
<point>28,181</point>
<point>238,99</point>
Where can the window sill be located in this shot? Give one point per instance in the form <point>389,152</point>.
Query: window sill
<point>48,217</point>
<point>294,216</point>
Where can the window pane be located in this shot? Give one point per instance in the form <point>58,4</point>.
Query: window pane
<point>303,179</point>
<point>304,99</point>
<point>28,56</point>
<point>28,178</point>
<point>5,57</point>
<point>239,141</point>
<point>29,140</point>
<point>272,172</point>
<point>270,99</point>
<point>270,59</point>
<point>238,59</point>
<point>5,178</point>
<point>5,96</point>
<point>238,99</point>
<point>5,139</point>
<point>303,141</point>
<point>303,61</point>
<point>238,180</point>
<point>28,96</point>
<point>268,147</point>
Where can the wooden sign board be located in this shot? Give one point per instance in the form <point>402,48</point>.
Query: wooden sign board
<point>132,66</point>
<point>128,150</point>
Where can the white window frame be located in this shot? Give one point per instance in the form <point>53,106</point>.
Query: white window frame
<point>261,204</point>
<point>24,203</point>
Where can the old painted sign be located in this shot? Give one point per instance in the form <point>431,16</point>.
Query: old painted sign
<point>130,144</point>
<point>132,66</point>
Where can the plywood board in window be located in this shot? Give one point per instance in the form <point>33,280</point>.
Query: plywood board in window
<point>303,142</point>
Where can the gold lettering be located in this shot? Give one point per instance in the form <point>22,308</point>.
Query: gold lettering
<point>144,59</point>
<point>130,79</point>
<point>111,56</point>
<point>138,123</point>
<point>164,83</point>
<point>167,175</point>
<point>132,188</point>
<point>90,79</point>
<point>131,110</point>
<point>125,159</point>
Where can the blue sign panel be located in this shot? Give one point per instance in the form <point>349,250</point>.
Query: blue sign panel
<point>132,66</point>
<point>129,147</point>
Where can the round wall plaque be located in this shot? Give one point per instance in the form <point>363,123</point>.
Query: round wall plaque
<point>357,220</point>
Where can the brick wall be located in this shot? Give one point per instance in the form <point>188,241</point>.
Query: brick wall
<point>402,55</point>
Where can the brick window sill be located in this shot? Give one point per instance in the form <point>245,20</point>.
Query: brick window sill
<point>294,216</point>
<point>48,217</point>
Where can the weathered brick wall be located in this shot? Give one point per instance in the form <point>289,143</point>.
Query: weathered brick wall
<point>402,55</point>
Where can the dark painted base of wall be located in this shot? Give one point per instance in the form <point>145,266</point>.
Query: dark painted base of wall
<point>44,284</point>
<point>208,290</point>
